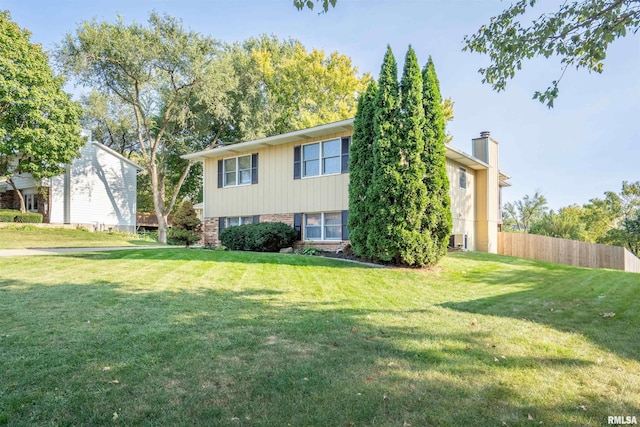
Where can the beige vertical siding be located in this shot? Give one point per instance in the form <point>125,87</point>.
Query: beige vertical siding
<point>276,190</point>
<point>463,202</point>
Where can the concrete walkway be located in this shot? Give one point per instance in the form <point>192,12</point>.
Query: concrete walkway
<point>57,251</point>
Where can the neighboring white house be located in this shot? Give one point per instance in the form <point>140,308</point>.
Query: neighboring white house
<point>98,191</point>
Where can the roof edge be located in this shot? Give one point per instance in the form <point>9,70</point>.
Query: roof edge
<point>116,154</point>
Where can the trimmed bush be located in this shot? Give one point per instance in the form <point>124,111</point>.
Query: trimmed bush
<point>8,215</point>
<point>261,237</point>
<point>29,217</point>
<point>186,225</point>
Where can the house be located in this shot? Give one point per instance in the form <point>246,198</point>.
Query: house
<point>301,178</point>
<point>98,192</point>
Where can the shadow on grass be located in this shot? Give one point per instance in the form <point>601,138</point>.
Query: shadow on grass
<point>196,254</point>
<point>569,299</point>
<point>94,353</point>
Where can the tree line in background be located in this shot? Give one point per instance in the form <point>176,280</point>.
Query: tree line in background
<point>399,206</point>
<point>613,219</point>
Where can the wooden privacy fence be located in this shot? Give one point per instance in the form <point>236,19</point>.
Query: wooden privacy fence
<point>569,252</point>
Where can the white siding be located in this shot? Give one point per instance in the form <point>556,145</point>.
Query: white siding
<point>102,191</point>
<point>56,209</point>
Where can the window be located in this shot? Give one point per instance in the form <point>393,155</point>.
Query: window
<point>323,226</point>
<point>237,171</point>
<point>463,178</point>
<point>232,221</point>
<point>31,202</point>
<point>321,158</point>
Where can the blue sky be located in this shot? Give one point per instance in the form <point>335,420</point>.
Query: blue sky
<point>588,144</point>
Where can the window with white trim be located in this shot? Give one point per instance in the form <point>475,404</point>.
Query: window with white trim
<point>323,226</point>
<point>463,178</point>
<point>237,171</point>
<point>31,202</point>
<point>321,158</point>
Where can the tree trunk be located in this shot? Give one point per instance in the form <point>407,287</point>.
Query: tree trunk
<point>158,203</point>
<point>23,207</point>
<point>162,228</point>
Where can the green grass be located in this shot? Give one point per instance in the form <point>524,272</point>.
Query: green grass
<point>196,337</point>
<point>29,236</point>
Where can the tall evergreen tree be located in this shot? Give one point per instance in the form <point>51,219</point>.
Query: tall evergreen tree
<point>361,170</point>
<point>386,183</point>
<point>415,246</point>
<point>438,211</point>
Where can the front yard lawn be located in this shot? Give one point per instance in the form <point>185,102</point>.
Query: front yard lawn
<point>195,337</point>
<point>29,236</point>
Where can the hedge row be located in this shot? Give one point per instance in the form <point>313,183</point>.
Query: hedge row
<point>261,237</point>
<point>8,215</point>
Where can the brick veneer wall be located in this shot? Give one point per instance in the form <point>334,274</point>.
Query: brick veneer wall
<point>210,231</point>
<point>7,200</point>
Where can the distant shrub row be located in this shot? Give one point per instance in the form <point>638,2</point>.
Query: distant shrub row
<point>9,215</point>
<point>261,237</point>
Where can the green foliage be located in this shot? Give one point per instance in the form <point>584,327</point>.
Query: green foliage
<point>579,32</point>
<point>631,228</point>
<point>361,170</point>
<point>158,72</point>
<point>521,214</point>
<point>566,224</point>
<point>186,225</point>
<point>260,237</point>
<point>111,121</point>
<point>29,217</point>
<point>8,215</point>
<point>39,124</point>
<point>611,220</point>
<point>415,244</point>
<point>386,184</point>
<point>310,251</point>
<point>298,89</point>
<point>324,4</point>
<point>438,222</point>
<point>399,190</point>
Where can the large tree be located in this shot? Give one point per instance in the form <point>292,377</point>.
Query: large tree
<point>361,170</point>
<point>39,124</point>
<point>160,71</point>
<point>111,121</point>
<point>579,32</point>
<point>303,88</point>
<point>521,214</point>
<point>438,221</point>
